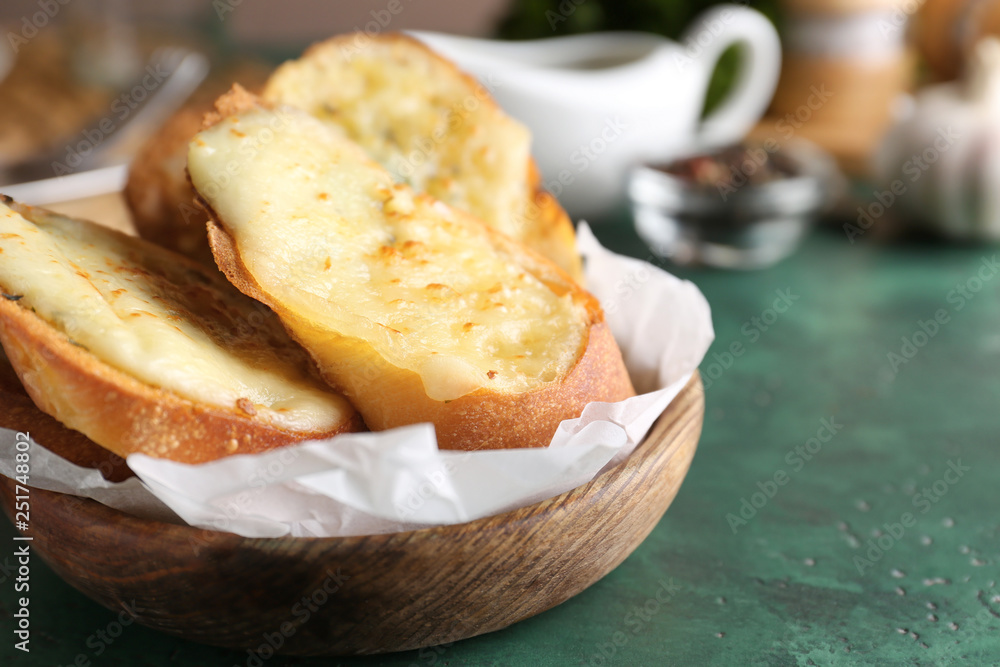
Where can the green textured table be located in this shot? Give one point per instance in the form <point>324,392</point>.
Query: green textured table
<point>842,508</point>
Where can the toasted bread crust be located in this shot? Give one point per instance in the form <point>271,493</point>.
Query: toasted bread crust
<point>551,231</point>
<point>19,413</point>
<point>390,396</point>
<point>122,414</point>
<point>234,101</point>
<point>158,194</point>
<point>491,420</point>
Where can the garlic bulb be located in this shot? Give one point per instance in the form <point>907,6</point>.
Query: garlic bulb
<point>941,162</point>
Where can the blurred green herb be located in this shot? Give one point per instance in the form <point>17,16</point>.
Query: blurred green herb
<point>535,19</point>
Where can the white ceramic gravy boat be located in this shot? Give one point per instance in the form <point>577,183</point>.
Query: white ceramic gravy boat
<point>597,104</point>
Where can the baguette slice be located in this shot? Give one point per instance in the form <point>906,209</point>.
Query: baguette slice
<point>433,127</point>
<point>415,310</point>
<point>142,350</point>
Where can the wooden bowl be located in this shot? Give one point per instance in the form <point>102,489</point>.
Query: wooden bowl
<point>371,594</point>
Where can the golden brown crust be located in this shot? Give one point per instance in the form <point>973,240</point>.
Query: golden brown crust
<point>234,101</point>
<point>552,232</point>
<point>18,413</point>
<point>389,396</point>
<point>158,194</point>
<point>125,415</point>
<point>490,420</point>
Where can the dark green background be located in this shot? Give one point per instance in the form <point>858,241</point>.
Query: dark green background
<point>784,589</point>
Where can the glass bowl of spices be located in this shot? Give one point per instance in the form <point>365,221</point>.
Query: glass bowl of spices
<point>744,206</point>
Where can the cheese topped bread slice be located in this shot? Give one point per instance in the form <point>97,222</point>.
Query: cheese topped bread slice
<point>416,310</point>
<point>434,128</point>
<point>145,351</point>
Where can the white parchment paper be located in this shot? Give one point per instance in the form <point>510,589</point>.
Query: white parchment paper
<point>367,483</point>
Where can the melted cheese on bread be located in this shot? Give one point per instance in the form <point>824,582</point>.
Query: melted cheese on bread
<point>354,262</point>
<point>160,319</point>
<point>429,125</point>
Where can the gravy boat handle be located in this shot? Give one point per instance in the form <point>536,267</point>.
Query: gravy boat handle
<point>711,33</point>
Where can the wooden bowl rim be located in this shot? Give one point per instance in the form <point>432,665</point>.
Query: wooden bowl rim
<point>641,457</point>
